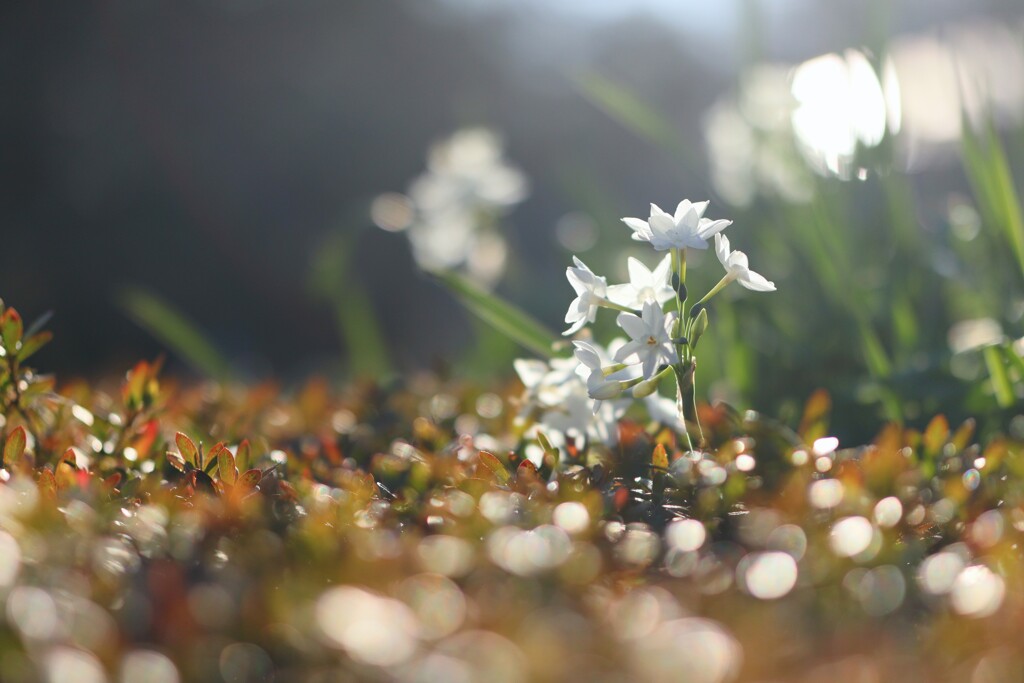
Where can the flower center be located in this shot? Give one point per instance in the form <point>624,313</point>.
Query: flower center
<point>651,341</point>
<point>646,294</point>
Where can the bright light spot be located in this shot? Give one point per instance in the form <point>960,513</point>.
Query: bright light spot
<point>938,572</point>
<point>63,664</point>
<point>977,592</point>
<point>438,603</point>
<point>572,516</point>
<point>10,559</point>
<point>745,462</point>
<point>638,547</point>
<point>392,211</point>
<point>370,628</point>
<point>767,576</point>
<point>799,457</point>
<point>826,493</point>
<point>968,335</point>
<point>851,536</point>
<point>987,529</point>
<point>825,445</point>
<point>685,534</point>
<point>667,655</point>
<point>888,512</point>
<point>148,666</point>
<point>971,479</point>
<point>446,555</point>
<point>33,612</point>
<point>823,464</point>
<point>840,104</point>
<point>82,415</point>
<point>528,552</point>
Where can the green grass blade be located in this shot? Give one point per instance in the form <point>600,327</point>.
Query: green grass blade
<point>988,171</point>
<point>1001,383</point>
<point>175,331</point>
<point>499,314</point>
<point>629,110</point>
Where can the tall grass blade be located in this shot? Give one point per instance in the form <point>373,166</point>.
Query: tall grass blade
<point>173,329</point>
<point>499,314</point>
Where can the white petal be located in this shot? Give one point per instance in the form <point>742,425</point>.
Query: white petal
<point>756,282</point>
<point>722,249</point>
<point>709,227</point>
<point>681,209</point>
<point>530,371</point>
<point>623,295</point>
<point>639,276</point>
<point>656,211</point>
<point>628,349</point>
<point>637,225</point>
<point>633,325</point>
<point>700,208</point>
<point>587,355</point>
<point>575,328</point>
<point>738,261</point>
<point>661,225</point>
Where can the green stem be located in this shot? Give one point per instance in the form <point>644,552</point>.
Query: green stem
<point>605,303</point>
<point>717,288</point>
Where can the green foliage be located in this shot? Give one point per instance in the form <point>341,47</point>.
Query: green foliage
<point>501,315</point>
<point>373,526</point>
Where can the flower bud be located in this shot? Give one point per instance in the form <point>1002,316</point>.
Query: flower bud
<point>700,325</point>
<point>646,387</point>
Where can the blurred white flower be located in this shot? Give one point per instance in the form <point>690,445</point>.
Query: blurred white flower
<point>644,285</point>
<point>737,267</point>
<point>590,291</point>
<point>455,205</point>
<point>650,338</point>
<point>557,397</point>
<point>687,228</point>
<point>604,380</point>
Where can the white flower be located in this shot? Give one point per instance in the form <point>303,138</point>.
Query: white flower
<point>644,285</point>
<point>664,410</point>
<point>601,386</point>
<point>590,290</point>
<point>650,338</point>
<point>737,267</point>
<point>687,228</point>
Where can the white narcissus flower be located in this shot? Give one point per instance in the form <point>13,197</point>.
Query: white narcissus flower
<point>601,385</point>
<point>650,338</point>
<point>590,291</point>
<point>737,268</point>
<point>644,285</point>
<point>686,229</point>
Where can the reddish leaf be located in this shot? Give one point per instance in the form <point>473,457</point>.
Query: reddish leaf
<point>226,470</point>
<point>187,448</point>
<point>250,479</point>
<point>14,448</point>
<point>11,329</point>
<point>492,463</point>
<point>176,461</point>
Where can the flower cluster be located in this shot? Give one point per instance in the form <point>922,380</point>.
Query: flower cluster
<point>662,333</point>
<point>451,210</point>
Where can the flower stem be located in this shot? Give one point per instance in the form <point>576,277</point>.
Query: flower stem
<point>618,307</point>
<point>717,288</point>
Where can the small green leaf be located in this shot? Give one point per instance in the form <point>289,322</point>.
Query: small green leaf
<point>226,470</point>
<point>33,344</point>
<point>699,327</point>
<point>187,448</point>
<point>499,314</point>
<point>492,463</point>
<point>11,329</point>
<point>14,447</point>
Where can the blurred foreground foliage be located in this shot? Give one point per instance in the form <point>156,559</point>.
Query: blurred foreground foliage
<point>151,531</point>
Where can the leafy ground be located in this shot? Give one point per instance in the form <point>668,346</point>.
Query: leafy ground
<point>162,532</point>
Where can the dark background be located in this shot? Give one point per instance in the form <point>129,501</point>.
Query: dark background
<point>204,149</point>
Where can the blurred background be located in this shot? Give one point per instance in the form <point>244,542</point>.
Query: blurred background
<point>208,175</point>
